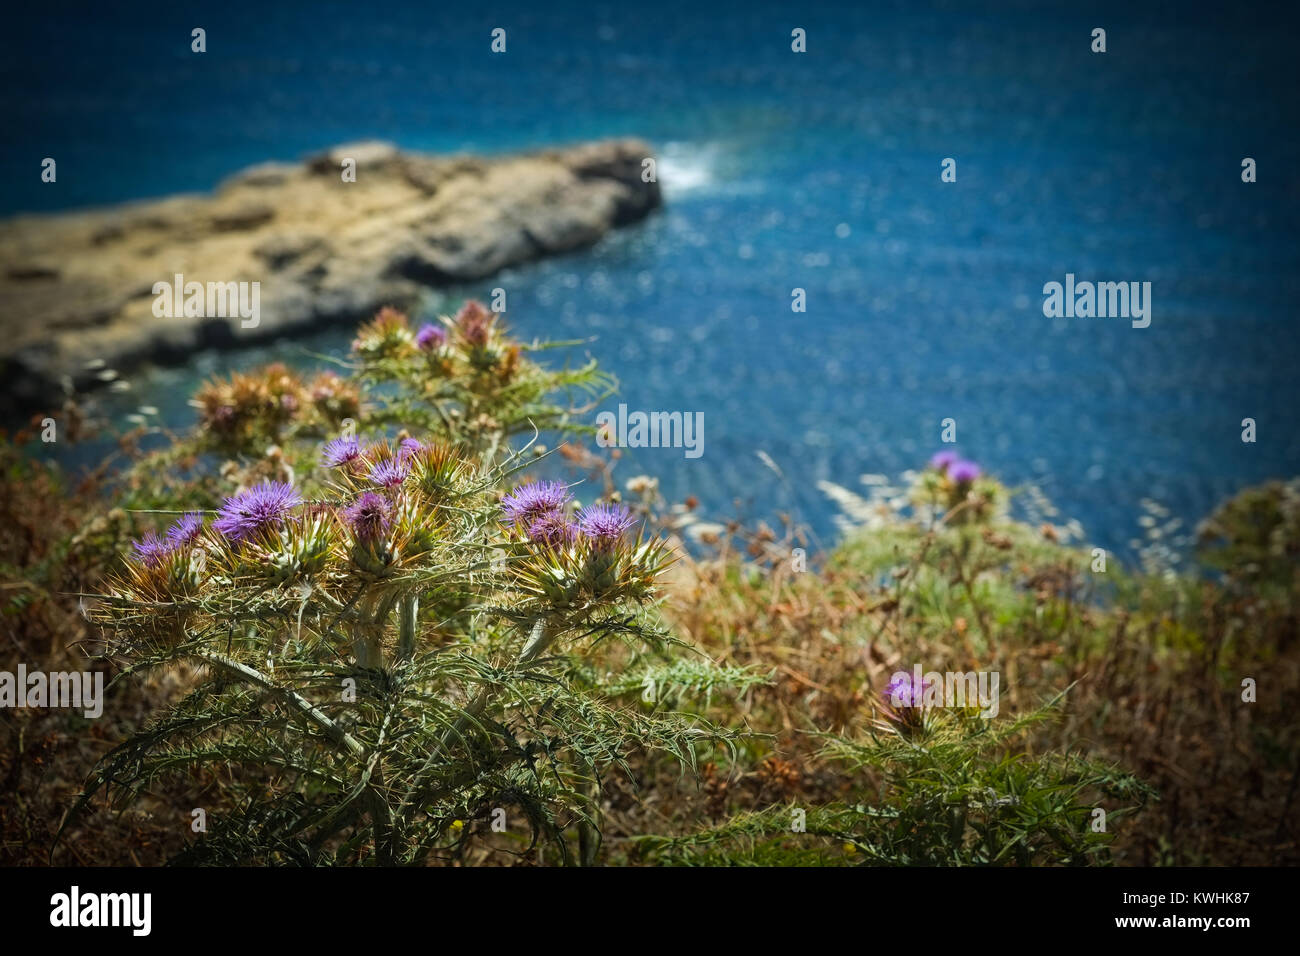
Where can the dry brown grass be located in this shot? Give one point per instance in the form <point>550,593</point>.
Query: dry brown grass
<point>1155,669</point>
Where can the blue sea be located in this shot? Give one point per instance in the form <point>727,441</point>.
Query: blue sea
<point>818,171</point>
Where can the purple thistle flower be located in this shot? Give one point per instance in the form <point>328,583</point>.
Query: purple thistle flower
<point>151,549</point>
<point>964,472</point>
<point>475,323</point>
<point>943,460</point>
<point>256,509</point>
<point>553,528</point>
<point>408,448</point>
<point>186,530</point>
<point>902,691</point>
<point>527,503</point>
<point>605,524</point>
<point>341,451</point>
<point>369,516</point>
<point>430,337</point>
<point>390,473</point>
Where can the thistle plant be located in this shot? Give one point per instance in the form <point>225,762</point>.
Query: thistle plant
<point>464,378</point>
<point>266,407</point>
<point>932,787</point>
<point>390,649</point>
<point>959,489</point>
<point>461,379</point>
<point>391,655</point>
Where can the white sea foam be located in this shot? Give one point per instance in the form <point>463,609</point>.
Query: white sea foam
<point>686,168</point>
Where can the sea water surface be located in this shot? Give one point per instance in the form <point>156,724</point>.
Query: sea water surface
<point>818,171</point>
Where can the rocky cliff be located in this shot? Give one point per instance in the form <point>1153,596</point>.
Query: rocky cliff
<point>78,289</point>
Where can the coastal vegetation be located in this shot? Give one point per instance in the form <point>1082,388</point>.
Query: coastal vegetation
<point>400,612</point>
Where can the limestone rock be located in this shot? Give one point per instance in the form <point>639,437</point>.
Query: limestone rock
<point>76,291</point>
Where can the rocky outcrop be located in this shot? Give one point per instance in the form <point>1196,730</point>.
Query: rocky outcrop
<point>77,289</point>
